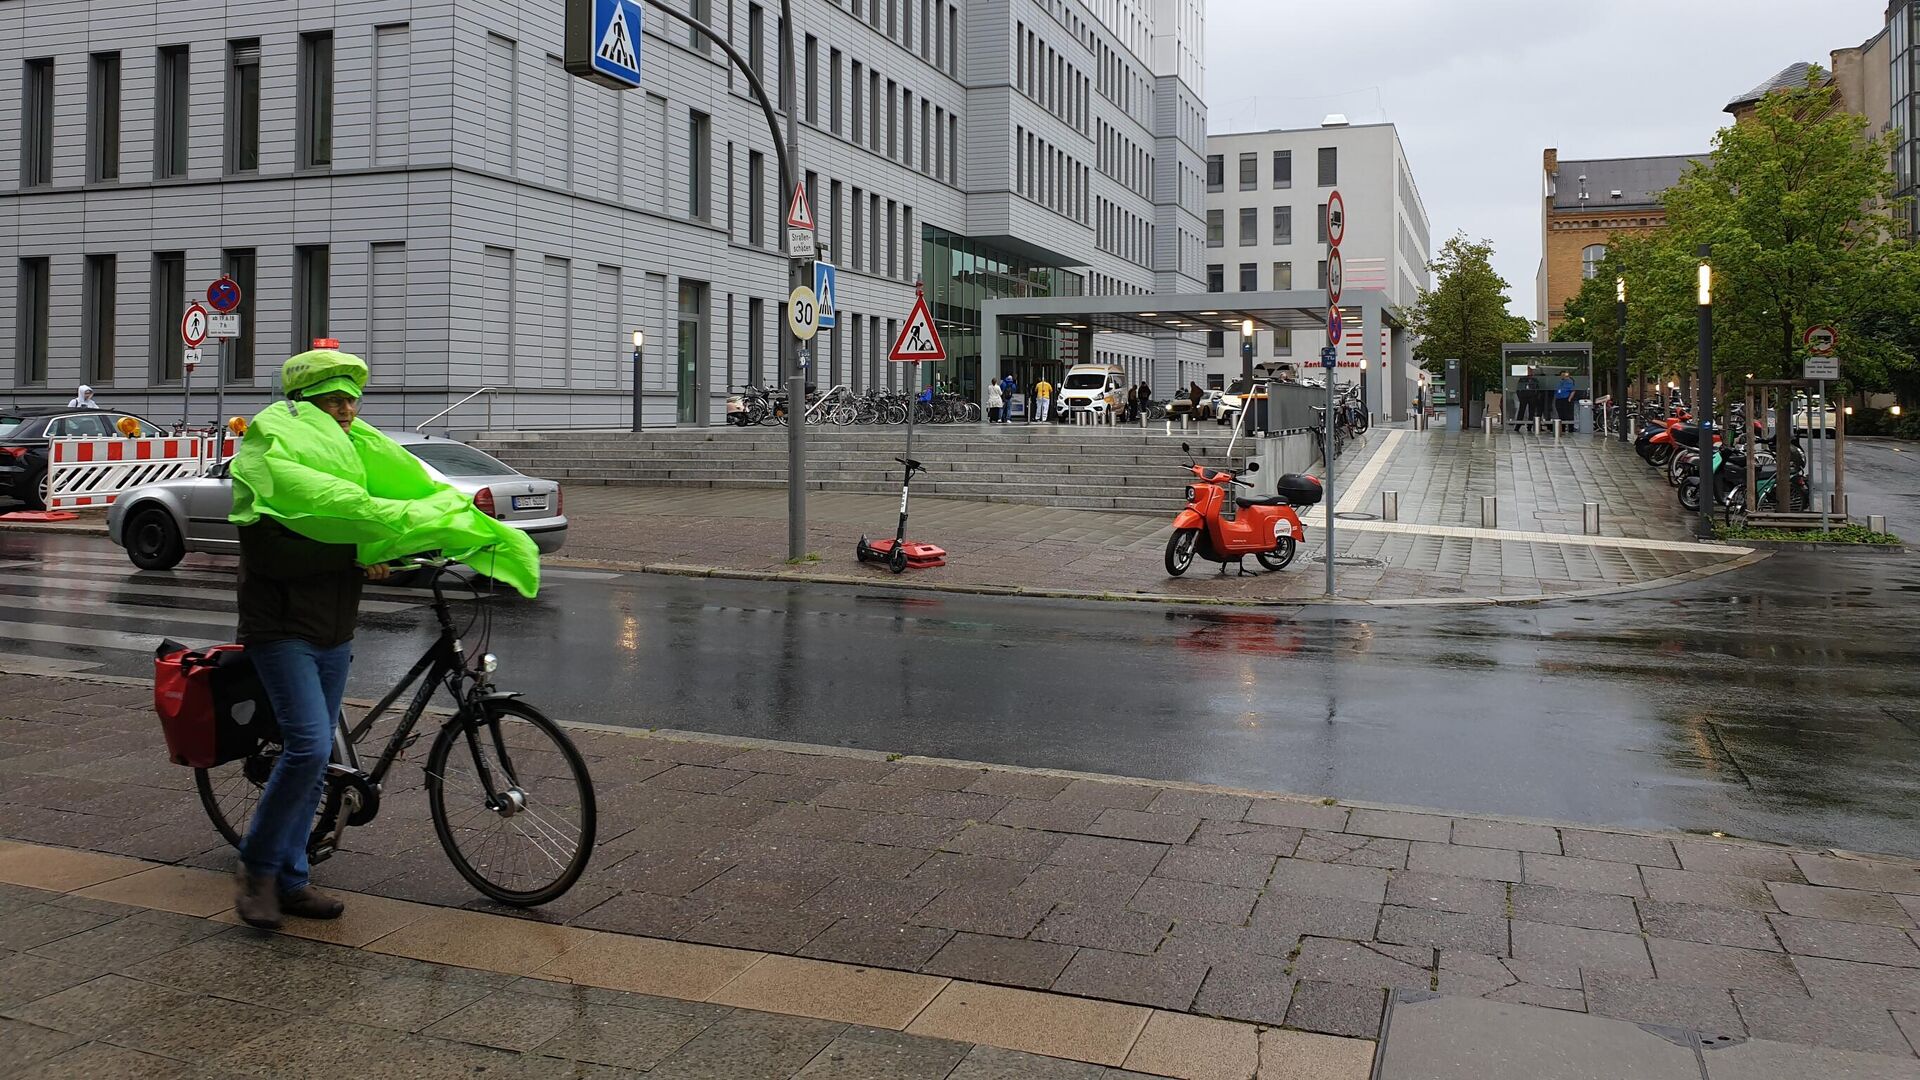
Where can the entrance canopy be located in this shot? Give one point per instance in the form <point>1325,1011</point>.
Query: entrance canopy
<point>1171,315</point>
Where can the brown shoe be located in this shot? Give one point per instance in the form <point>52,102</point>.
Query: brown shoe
<point>307,902</point>
<point>256,900</point>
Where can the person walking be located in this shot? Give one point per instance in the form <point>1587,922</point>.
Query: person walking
<point>996,404</point>
<point>83,399</point>
<point>1007,386</point>
<point>1044,390</point>
<point>1133,403</point>
<point>321,500</point>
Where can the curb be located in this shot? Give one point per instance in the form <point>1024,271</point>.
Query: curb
<point>1816,545</point>
<point>749,742</point>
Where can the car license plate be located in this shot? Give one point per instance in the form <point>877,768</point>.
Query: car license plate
<point>529,502</point>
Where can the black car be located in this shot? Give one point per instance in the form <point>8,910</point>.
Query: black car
<point>23,443</point>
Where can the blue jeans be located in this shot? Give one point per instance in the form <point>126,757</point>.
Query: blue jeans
<point>305,683</point>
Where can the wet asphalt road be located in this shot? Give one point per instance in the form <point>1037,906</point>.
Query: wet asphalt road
<point>1780,702</point>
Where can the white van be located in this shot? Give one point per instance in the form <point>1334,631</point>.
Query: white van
<point>1098,389</point>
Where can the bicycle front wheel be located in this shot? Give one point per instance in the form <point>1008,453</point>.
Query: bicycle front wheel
<point>512,803</point>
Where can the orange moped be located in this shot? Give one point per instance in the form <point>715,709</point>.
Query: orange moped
<point>1222,526</point>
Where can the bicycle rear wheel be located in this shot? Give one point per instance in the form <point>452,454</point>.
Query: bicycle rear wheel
<point>230,792</point>
<point>512,803</point>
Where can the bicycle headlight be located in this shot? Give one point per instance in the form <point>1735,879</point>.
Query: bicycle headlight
<point>489,663</point>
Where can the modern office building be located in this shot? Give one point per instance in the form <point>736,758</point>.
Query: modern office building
<point>430,187</point>
<point>1267,195</point>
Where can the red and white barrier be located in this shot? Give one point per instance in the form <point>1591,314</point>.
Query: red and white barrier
<point>88,473</point>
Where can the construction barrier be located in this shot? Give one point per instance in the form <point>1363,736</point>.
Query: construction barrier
<point>89,473</point>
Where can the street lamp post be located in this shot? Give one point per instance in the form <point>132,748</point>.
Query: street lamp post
<point>1365,402</point>
<point>639,345</point>
<point>1620,357</point>
<point>1704,402</point>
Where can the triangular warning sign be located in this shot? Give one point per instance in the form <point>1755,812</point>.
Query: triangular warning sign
<point>800,213</point>
<point>616,45</point>
<point>918,339</point>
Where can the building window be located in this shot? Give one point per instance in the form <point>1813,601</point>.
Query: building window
<point>1329,166</point>
<point>238,353</point>
<point>1283,342</point>
<point>756,41</point>
<point>312,272</point>
<point>103,118</point>
<point>1283,168</point>
<point>756,198</point>
<point>1249,226</point>
<point>30,319</point>
<point>172,100</point>
<point>1283,224</point>
<point>1216,172</point>
<point>1216,343</point>
<point>854,110</point>
<point>316,100</point>
<point>1249,277</point>
<point>1282,276</point>
<point>243,106</point>
<point>99,291</point>
<point>1249,171</point>
<point>703,11</point>
<point>168,298</point>
<point>36,124</point>
<point>756,366</point>
<point>833,91</point>
<point>813,79</point>
<point>699,153</point>
<point>1216,278</point>
<point>1591,257</point>
<point>1216,228</point>
<point>1320,230</point>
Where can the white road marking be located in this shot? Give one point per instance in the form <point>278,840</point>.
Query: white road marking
<point>155,587</point>
<point>1356,490</point>
<point>88,636</point>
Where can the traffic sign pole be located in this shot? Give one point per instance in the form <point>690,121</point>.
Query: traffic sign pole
<point>1329,357</point>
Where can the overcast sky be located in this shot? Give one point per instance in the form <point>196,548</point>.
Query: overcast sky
<point>1479,88</point>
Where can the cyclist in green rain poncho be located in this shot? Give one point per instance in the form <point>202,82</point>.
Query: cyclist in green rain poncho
<point>323,500</point>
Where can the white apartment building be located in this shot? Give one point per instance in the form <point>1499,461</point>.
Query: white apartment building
<point>1266,229</point>
<point>429,186</point>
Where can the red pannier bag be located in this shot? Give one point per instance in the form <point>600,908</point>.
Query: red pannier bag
<point>212,706</point>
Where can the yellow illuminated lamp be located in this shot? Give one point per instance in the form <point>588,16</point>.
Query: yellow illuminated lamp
<point>639,338</point>
<point>1246,328</point>
<point>1620,289</point>
<point>1895,410</point>
<point>1706,285</point>
<point>238,426</point>
<point>128,426</point>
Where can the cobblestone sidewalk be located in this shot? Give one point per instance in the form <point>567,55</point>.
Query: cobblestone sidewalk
<point>1280,911</point>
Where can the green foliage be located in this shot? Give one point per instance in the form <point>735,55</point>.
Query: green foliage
<point>1883,422</point>
<point>1850,534</point>
<point>1465,314</point>
<point>1798,208</point>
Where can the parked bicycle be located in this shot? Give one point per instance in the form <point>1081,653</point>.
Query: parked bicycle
<point>509,794</point>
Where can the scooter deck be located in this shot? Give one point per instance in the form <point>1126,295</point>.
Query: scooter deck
<point>920,556</point>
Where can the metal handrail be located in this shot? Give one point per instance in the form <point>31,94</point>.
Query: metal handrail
<point>483,390</point>
<point>832,394</point>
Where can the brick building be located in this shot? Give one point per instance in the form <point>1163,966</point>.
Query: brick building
<point>1583,206</point>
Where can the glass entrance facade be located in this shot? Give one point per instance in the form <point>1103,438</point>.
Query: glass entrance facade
<point>962,274</point>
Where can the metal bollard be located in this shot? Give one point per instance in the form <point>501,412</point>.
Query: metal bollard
<point>1876,523</point>
<point>1536,425</point>
<point>1486,422</point>
<point>1489,511</point>
<point>1389,506</point>
<point>1590,518</point>
<point>1556,429</point>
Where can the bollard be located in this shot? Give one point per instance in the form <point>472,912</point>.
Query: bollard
<point>1590,518</point>
<point>1838,504</point>
<point>1486,422</point>
<point>1536,425</point>
<point>1876,523</point>
<point>1389,506</point>
<point>1556,429</point>
<point>1489,511</point>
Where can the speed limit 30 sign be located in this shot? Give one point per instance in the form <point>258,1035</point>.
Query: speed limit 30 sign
<point>803,313</point>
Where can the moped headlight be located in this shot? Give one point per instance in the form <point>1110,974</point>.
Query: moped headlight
<point>489,663</point>
<point>1190,493</point>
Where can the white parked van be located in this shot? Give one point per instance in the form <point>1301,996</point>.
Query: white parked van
<point>1098,389</point>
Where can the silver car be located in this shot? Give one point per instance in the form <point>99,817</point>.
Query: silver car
<point>159,523</point>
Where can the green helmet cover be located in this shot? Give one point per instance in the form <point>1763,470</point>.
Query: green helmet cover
<point>303,375</point>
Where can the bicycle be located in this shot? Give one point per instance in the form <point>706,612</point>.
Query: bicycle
<point>534,790</point>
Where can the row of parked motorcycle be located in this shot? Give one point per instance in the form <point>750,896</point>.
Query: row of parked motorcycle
<point>1671,444</point>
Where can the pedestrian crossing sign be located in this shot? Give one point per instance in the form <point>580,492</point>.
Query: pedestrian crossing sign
<point>918,339</point>
<point>603,41</point>
<point>826,278</point>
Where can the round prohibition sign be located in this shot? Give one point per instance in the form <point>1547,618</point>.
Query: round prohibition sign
<point>193,325</point>
<point>1336,219</point>
<point>803,313</point>
<point>224,295</point>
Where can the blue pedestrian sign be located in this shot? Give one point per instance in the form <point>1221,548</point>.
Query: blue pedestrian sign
<point>825,277</point>
<point>1327,357</point>
<point>603,41</point>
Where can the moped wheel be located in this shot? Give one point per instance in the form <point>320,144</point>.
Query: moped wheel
<point>1690,495</point>
<point>1180,549</point>
<point>1280,556</point>
<point>511,802</point>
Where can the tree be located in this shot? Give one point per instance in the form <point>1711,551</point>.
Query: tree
<point>1465,315</point>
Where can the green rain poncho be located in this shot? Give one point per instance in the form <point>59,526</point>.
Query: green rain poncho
<point>360,487</point>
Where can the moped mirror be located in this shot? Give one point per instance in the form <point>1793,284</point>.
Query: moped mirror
<point>1185,449</point>
<point>1253,466</point>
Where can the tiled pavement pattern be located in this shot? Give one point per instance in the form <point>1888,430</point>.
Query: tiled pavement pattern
<point>1541,483</point>
<point>121,967</point>
<point>1078,551</point>
<point>1272,910</point>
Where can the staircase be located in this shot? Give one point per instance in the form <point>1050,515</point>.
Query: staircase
<point>1085,468</point>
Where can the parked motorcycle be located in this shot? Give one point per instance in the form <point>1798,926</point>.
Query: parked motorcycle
<point>1221,526</point>
<point>1730,482</point>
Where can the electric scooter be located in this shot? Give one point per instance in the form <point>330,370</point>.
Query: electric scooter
<point>899,552</point>
<point>1223,527</point>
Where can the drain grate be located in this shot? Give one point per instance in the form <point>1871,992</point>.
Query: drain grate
<point>1356,515</point>
<point>1351,560</point>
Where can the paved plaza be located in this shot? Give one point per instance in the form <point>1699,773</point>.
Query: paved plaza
<point>1285,913</point>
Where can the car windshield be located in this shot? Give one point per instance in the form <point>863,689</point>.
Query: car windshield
<point>1086,380</point>
<point>459,459</point>
<point>10,423</point>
